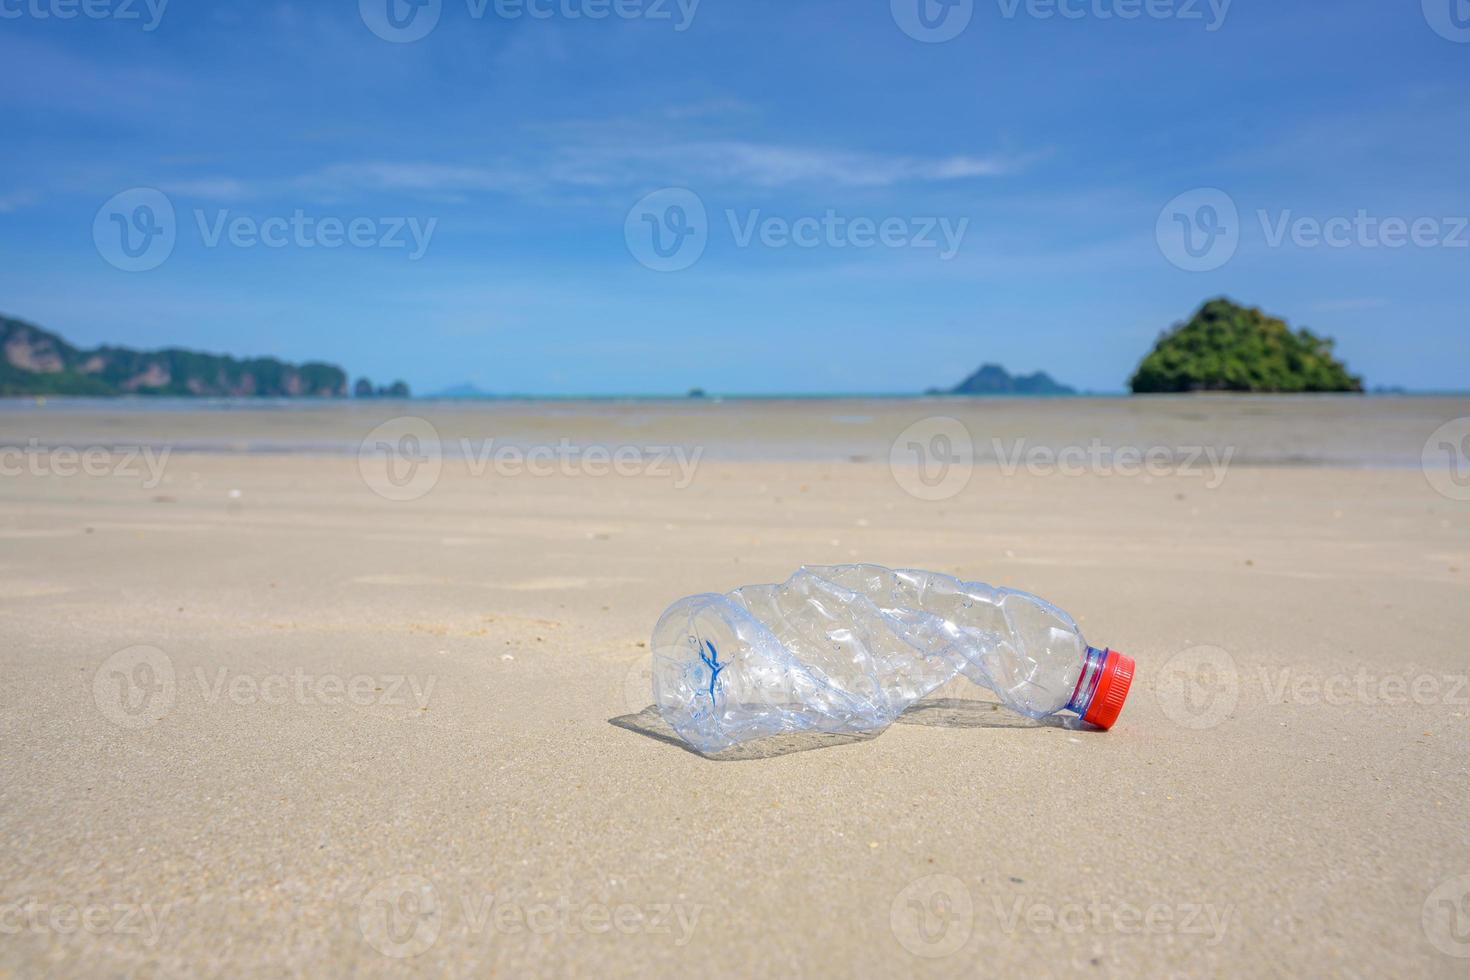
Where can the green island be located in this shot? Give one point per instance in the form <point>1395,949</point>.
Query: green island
<point>1228,347</point>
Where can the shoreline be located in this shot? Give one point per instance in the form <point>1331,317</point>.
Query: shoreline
<point>1375,432</point>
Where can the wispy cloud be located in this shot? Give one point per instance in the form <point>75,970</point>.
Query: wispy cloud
<point>430,178</point>
<point>712,164</point>
<point>1347,305</point>
<point>768,165</point>
<point>16,200</point>
<point>363,177</point>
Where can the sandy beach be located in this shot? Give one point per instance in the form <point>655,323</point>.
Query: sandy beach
<point>272,707</point>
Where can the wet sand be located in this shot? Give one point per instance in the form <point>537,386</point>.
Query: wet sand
<point>298,713</point>
<point>1314,430</point>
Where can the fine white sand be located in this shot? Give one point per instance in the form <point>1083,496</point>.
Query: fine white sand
<point>258,719</point>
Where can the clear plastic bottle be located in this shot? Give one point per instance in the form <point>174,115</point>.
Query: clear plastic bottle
<point>846,648</point>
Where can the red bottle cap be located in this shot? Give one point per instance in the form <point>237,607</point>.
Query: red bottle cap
<point>1112,690</point>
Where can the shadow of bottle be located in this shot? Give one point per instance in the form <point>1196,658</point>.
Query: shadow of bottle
<point>934,713</point>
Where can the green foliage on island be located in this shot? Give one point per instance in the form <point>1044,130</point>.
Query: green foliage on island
<point>14,381</point>
<point>992,379</point>
<point>36,362</point>
<point>1227,347</point>
<point>364,389</point>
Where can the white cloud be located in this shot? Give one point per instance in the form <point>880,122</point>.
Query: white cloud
<point>765,165</point>
<point>714,164</point>
<point>16,200</point>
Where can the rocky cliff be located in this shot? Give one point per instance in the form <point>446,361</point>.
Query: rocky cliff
<point>36,362</point>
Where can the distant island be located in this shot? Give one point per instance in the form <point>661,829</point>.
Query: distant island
<point>1224,347</point>
<point>992,379</point>
<point>468,390</point>
<point>364,389</point>
<point>1228,347</point>
<point>38,362</point>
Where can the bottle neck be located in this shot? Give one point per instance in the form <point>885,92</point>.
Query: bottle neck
<point>1087,684</point>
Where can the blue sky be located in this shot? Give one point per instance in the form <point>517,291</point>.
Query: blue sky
<point>829,145</point>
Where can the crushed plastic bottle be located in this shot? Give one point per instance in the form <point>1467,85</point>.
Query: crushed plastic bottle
<point>847,648</point>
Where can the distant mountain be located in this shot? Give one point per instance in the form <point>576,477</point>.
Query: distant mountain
<point>466,390</point>
<point>36,362</point>
<point>992,379</point>
<point>1229,347</point>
